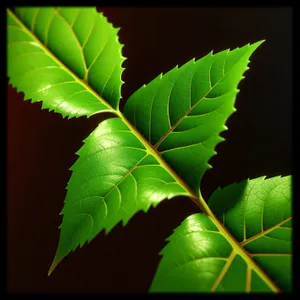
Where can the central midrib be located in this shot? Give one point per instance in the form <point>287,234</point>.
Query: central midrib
<point>199,201</point>
<point>185,114</point>
<point>193,106</point>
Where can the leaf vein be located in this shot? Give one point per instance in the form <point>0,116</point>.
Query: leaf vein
<point>48,27</point>
<point>264,232</point>
<point>34,18</point>
<point>224,270</point>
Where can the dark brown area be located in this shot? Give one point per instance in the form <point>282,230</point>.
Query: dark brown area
<point>42,146</point>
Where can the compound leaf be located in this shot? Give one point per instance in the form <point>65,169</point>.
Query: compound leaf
<point>69,58</point>
<point>200,258</point>
<point>183,112</point>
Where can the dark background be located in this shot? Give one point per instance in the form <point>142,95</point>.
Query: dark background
<point>42,146</point>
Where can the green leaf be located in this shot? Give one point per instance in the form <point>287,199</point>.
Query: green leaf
<point>69,58</point>
<point>114,177</point>
<point>183,112</point>
<point>97,198</point>
<point>200,257</point>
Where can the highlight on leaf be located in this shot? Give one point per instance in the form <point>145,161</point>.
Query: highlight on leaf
<point>69,58</point>
<point>113,178</point>
<point>199,258</point>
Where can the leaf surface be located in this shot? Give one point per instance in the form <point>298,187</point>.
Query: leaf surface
<point>69,58</point>
<point>114,177</point>
<point>183,112</point>
<point>200,258</point>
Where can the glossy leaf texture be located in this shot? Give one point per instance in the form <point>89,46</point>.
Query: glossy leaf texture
<point>69,58</point>
<point>114,177</point>
<point>199,258</point>
<point>183,112</point>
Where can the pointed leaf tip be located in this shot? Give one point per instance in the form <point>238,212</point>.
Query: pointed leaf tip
<point>222,87</point>
<point>257,44</point>
<point>53,266</point>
